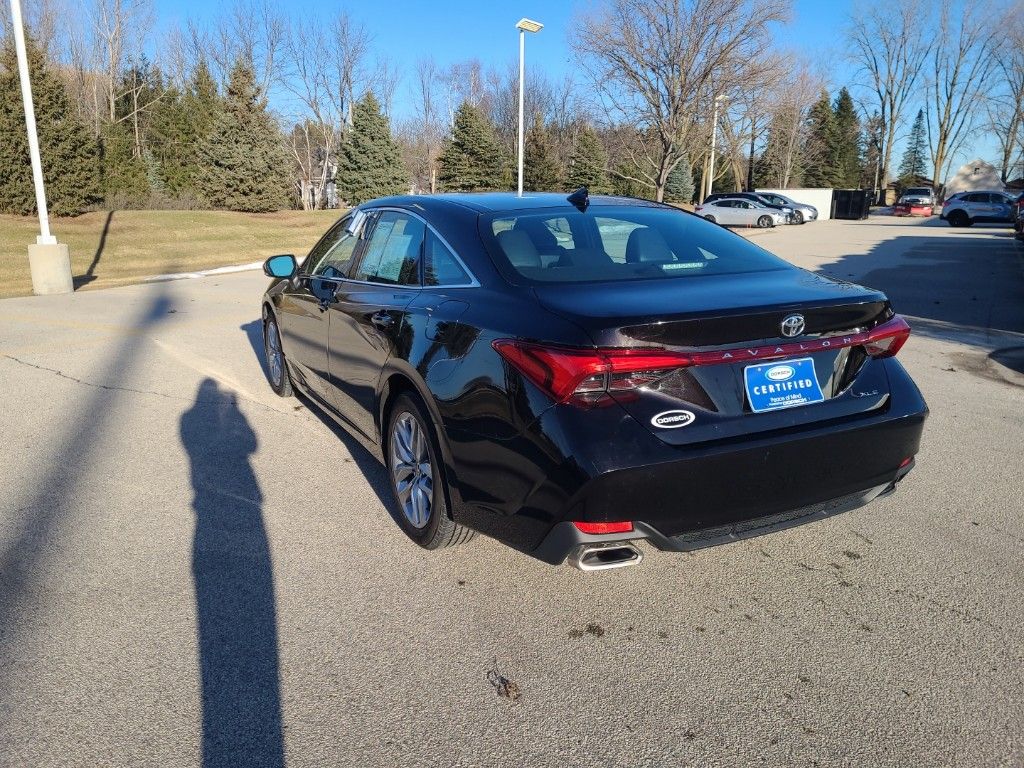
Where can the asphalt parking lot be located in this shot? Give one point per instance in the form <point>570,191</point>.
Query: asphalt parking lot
<point>190,565</point>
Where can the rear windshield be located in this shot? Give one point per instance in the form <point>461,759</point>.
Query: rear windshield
<point>617,243</point>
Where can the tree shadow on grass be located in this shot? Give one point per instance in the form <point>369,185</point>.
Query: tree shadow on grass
<point>233,573</point>
<point>90,273</point>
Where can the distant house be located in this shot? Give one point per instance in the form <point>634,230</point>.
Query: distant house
<point>976,174</point>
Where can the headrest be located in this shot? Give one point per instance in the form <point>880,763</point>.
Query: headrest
<point>646,244</point>
<point>519,248</point>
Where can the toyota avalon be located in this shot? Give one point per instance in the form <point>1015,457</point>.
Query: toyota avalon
<point>572,375</point>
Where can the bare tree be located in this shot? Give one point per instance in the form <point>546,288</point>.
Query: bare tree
<point>324,70</point>
<point>1005,104</point>
<point>118,32</point>
<point>787,124</point>
<point>425,132</point>
<point>961,69</point>
<point>384,82</point>
<point>658,64</point>
<point>891,44</point>
<point>251,31</point>
<point>463,82</point>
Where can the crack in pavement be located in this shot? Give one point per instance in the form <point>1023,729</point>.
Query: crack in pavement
<point>115,388</point>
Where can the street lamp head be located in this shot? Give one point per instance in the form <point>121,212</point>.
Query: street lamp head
<point>528,25</point>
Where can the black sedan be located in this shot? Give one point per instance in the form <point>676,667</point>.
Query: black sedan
<point>571,375</point>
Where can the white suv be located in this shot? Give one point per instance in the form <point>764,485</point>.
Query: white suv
<point>965,208</point>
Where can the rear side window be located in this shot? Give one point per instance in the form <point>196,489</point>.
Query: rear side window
<point>617,243</point>
<point>392,254</point>
<point>440,267</point>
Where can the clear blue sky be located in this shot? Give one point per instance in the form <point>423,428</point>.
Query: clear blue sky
<point>456,30</point>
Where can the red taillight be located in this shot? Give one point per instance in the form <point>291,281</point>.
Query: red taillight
<point>599,528</point>
<point>887,339</point>
<point>588,375</point>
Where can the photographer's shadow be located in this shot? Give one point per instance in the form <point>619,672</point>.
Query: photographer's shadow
<point>235,605</point>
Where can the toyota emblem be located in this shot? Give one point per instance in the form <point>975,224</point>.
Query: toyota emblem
<point>792,325</point>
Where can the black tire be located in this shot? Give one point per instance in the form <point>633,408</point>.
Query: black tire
<point>798,217</point>
<point>958,219</point>
<point>277,374</point>
<point>765,221</point>
<point>439,530</point>
<point>711,218</point>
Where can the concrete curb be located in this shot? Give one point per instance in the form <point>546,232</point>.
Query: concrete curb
<point>204,273</point>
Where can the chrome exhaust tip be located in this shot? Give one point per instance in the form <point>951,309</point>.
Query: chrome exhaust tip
<point>601,557</point>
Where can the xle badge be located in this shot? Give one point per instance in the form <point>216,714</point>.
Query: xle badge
<point>673,419</point>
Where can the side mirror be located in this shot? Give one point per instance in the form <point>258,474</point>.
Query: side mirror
<point>280,266</point>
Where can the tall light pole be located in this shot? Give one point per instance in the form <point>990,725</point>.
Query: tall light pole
<point>524,26</point>
<point>48,260</point>
<point>714,135</point>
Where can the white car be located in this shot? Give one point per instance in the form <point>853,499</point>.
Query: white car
<point>736,212</point>
<point>801,211</point>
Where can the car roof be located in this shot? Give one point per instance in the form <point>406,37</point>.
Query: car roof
<point>491,202</point>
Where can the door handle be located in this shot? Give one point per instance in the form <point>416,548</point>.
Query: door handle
<point>382,320</point>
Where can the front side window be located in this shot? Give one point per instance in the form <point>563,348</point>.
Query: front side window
<point>620,243</point>
<point>392,253</point>
<point>332,255</point>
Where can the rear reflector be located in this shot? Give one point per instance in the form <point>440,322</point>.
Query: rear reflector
<point>588,376</point>
<point>599,528</point>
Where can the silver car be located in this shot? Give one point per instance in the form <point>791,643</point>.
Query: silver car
<point>801,211</point>
<point>736,212</point>
<point>965,208</point>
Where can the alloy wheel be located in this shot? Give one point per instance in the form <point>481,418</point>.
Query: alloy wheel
<point>411,469</point>
<point>275,363</point>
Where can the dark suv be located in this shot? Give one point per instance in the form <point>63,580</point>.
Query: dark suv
<point>786,210</point>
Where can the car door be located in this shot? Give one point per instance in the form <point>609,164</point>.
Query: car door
<point>978,206</point>
<point>302,310</point>
<point>747,213</point>
<point>1001,207</point>
<point>368,311</point>
<point>724,212</point>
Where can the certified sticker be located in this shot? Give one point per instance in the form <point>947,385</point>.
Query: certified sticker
<point>673,419</point>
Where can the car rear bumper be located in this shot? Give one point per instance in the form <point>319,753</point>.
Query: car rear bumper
<point>715,495</point>
<point>569,464</point>
<point>564,538</point>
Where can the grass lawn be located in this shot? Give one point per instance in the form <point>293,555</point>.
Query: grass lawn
<point>121,247</point>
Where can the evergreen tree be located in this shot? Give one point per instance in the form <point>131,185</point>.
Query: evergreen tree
<point>180,122</point>
<point>679,184</point>
<point>627,187</point>
<point>371,162</point>
<point>915,157</point>
<point>820,169</point>
<point>471,159</point>
<point>125,176</point>
<point>847,147</point>
<point>242,163</point>
<point>540,168</point>
<point>68,151</point>
<point>588,164</point>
